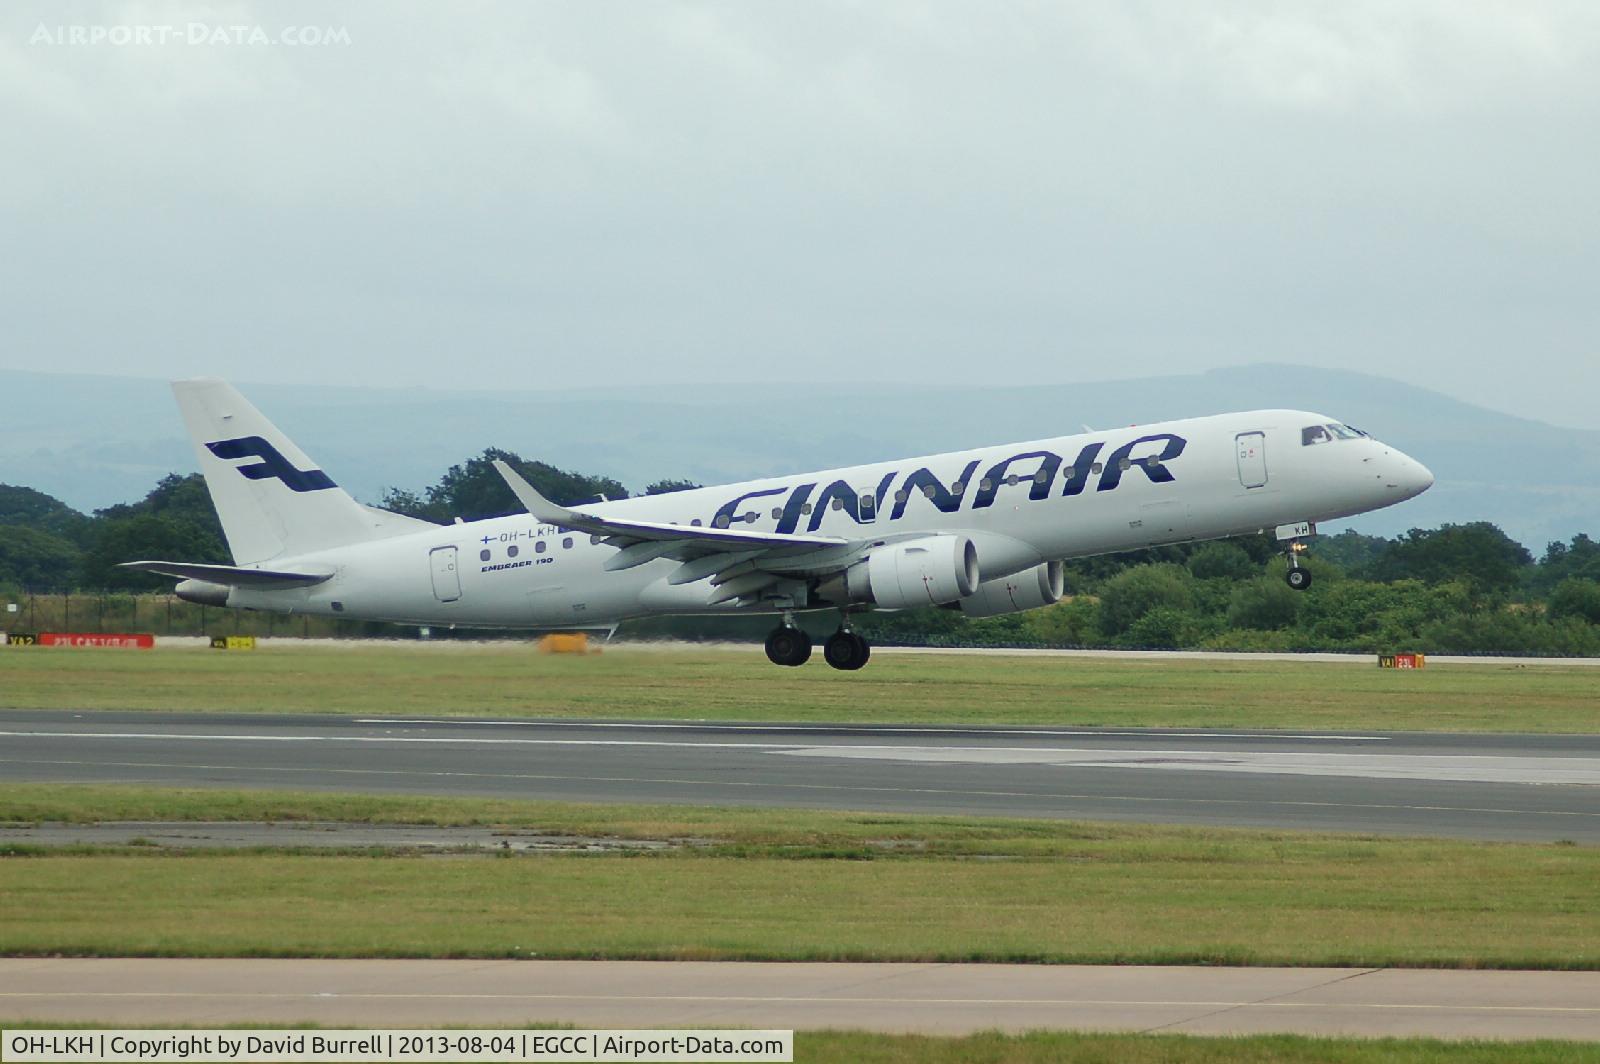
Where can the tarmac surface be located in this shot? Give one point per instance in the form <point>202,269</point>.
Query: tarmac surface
<point>928,998</point>
<point>1521,787</point>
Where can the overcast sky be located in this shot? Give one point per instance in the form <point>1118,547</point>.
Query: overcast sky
<point>574,194</point>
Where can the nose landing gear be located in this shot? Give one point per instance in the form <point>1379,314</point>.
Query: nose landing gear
<point>1290,535</point>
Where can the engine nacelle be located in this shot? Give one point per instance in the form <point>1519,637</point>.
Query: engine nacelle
<point>1040,586</point>
<point>929,571</point>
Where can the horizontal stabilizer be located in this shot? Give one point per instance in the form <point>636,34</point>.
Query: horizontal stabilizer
<point>229,575</point>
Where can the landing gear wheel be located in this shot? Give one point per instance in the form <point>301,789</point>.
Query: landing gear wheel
<point>846,651</point>
<point>1298,578</point>
<point>788,646</point>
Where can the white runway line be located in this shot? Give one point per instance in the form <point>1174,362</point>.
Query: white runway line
<point>1581,771</point>
<point>873,729</point>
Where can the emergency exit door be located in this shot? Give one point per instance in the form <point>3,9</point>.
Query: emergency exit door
<point>1252,459</point>
<point>446,576</point>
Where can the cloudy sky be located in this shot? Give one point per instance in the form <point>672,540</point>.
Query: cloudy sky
<point>556,195</point>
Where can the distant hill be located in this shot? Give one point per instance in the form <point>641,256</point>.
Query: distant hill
<point>95,441</point>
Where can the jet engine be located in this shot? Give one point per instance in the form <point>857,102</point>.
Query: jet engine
<point>1040,586</point>
<point>929,571</point>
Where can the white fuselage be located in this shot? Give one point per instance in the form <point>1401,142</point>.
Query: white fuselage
<point>1021,504</point>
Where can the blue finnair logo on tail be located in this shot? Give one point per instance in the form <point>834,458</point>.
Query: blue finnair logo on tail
<point>273,465</point>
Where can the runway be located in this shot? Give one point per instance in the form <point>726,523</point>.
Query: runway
<point>1520,787</point>
<point>928,998</point>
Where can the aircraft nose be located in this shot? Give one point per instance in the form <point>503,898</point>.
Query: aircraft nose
<point>1410,476</point>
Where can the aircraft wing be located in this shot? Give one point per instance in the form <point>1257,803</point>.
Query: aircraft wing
<point>229,575</point>
<point>715,539</point>
<point>741,564</point>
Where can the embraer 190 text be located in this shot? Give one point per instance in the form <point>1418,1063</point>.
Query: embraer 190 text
<point>984,531</point>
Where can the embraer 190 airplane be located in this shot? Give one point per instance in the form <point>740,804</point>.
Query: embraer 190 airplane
<point>984,531</point>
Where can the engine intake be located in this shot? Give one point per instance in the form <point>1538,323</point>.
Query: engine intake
<point>929,571</point>
<point>1040,586</point>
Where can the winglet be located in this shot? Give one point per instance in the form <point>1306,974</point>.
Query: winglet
<point>536,504</point>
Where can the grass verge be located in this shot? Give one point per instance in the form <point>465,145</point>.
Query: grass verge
<point>825,1047</point>
<point>798,885</point>
<point>740,685</point>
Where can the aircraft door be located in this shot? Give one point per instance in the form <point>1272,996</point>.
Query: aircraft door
<point>1252,459</point>
<point>446,574</point>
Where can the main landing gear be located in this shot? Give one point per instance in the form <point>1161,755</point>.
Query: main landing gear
<point>788,645</point>
<point>846,651</point>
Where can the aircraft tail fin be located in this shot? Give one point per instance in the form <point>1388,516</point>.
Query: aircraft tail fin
<point>273,500</point>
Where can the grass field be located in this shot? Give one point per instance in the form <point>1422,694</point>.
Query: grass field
<point>512,680</point>
<point>827,1047</point>
<point>801,886</point>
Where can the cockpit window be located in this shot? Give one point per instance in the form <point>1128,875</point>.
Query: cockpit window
<point>1328,433</point>
<point>1314,434</point>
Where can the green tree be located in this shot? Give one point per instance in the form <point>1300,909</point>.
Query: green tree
<point>184,499</point>
<point>1166,628</point>
<point>146,536</point>
<point>34,509</point>
<point>475,490</point>
<point>1580,559</point>
<point>174,522</point>
<point>33,558</point>
<point>665,487</point>
<point>1130,595</point>
<point>1222,560</point>
<point>1350,550</point>
<point>1264,604</point>
<point>1576,597</point>
<point>1479,554</point>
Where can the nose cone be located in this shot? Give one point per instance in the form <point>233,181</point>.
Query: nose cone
<point>1409,477</point>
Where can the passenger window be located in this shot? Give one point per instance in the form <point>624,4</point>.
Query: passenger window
<point>566,544</point>
<point>720,522</point>
<point>929,490</point>
<point>805,508</point>
<point>1097,468</point>
<point>511,551</point>
<point>777,512</point>
<point>483,555</point>
<point>958,487</point>
<point>539,547</point>
<point>985,484</point>
<point>838,503</point>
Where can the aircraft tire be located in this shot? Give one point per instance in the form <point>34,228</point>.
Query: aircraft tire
<point>846,651</point>
<point>788,646</point>
<point>1299,579</point>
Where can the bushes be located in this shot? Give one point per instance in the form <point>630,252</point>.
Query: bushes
<point>1130,595</point>
<point>1578,598</point>
<point>1263,604</point>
